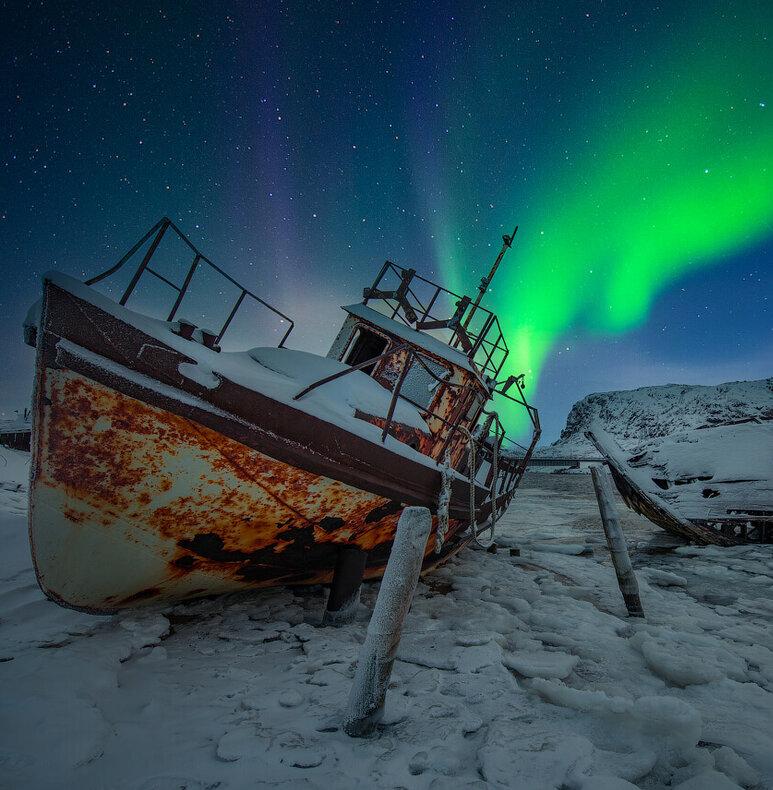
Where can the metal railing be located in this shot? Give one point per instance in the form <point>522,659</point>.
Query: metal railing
<point>158,232</point>
<point>511,468</point>
<point>485,345</point>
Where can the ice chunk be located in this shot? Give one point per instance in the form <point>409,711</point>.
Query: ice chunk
<point>708,780</point>
<point>303,758</point>
<point>673,722</point>
<point>290,699</point>
<point>472,640</point>
<point>426,650</point>
<point>734,766</point>
<point>663,578</point>
<point>684,659</point>
<point>146,629</point>
<point>237,742</point>
<point>580,699</point>
<point>541,663</point>
<point>445,758</point>
<point>419,763</point>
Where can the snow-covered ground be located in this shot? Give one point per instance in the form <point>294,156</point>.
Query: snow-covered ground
<point>519,672</point>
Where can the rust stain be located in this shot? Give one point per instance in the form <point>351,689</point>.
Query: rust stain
<point>222,507</point>
<point>142,595</point>
<point>76,516</point>
<point>450,402</point>
<point>407,434</point>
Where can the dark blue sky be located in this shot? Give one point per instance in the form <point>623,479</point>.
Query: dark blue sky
<point>302,144</point>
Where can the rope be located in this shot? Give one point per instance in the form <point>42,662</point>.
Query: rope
<point>444,497</point>
<point>494,475</point>
<point>444,500</point>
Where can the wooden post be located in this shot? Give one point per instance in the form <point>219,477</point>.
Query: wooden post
<point>616,542</point>
<point>344,595</point>
<point>377,654</point>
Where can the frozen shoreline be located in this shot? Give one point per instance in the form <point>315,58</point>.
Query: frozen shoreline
<point>519,672</point>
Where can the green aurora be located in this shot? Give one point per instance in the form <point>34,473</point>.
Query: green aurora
<point>673,174</point>
<point>629,141</point>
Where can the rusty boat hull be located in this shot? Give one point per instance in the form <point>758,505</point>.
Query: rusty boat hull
<point>148,487</point>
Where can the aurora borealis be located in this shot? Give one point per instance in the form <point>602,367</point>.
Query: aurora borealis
<point>679,179</point>
<point>301,145</point>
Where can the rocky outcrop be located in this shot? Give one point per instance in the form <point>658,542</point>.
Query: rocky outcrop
<point>642,417</point>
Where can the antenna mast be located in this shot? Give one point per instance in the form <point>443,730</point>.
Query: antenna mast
<point>507,242</point>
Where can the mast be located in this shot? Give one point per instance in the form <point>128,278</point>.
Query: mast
<point>507,242</point>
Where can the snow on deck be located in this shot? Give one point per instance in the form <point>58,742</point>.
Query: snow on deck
<point>278,373</point>
<point>519,672</point>
<point>416,337</point>
<point>706,471</point>
<point>18,425</point>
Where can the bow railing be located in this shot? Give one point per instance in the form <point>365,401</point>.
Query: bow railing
<point>200,261</point>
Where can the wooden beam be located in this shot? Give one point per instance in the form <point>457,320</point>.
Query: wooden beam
<point>626,579</point>
<point>377,655</point>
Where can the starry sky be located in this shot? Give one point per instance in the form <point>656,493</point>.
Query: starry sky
<point>300,145</point>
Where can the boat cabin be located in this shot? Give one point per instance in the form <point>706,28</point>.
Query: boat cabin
<point>435,348</point>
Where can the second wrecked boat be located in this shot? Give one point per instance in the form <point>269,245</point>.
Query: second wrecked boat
<point>165,468</point>
<point>708,485</point>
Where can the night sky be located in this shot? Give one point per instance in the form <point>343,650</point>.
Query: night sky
<point>302,144</point>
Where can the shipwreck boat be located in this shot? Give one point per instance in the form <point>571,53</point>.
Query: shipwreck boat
<point>165,467</point>
<point>708,485</point>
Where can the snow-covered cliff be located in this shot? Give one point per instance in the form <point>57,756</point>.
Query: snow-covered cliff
<point>640,418</point>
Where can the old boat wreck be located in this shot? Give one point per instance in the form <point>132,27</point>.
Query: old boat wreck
<point>165,467</point>
<point>708,485</point>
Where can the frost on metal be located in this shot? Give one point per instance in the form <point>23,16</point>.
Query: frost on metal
<point>444,500</point>
<point>618,549</point>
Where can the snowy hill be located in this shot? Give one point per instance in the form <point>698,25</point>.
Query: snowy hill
<point>640,418</point>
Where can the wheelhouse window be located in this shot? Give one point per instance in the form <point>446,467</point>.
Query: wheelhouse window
<point>420,385</point>
<point>363,346</point>
<point>475,407</point>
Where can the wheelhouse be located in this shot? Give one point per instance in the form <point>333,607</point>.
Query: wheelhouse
<point>438,351</point>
